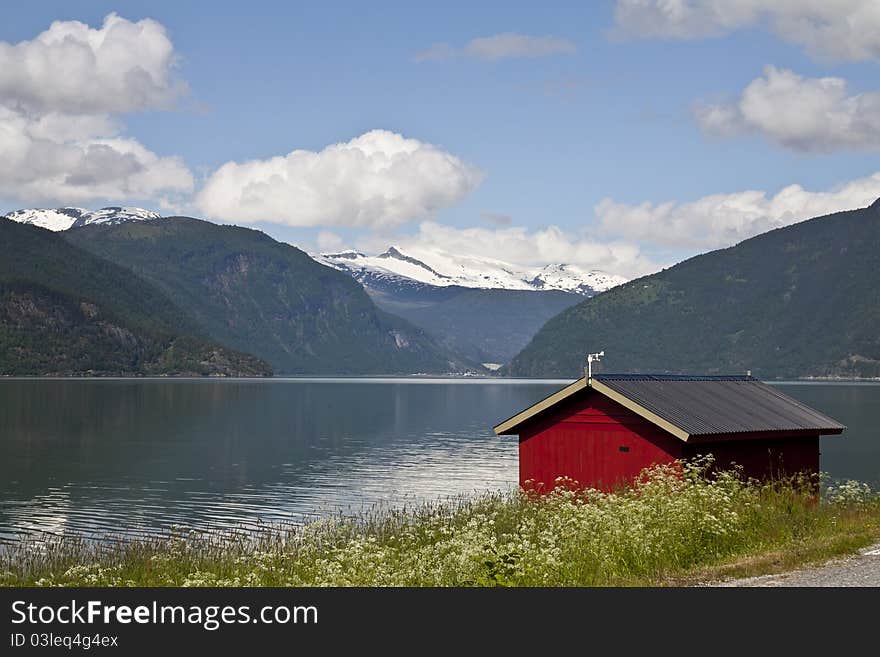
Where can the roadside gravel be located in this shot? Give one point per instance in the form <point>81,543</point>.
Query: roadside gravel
<point>862,569</point>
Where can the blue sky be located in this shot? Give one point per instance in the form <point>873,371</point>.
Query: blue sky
<point>610,113</point>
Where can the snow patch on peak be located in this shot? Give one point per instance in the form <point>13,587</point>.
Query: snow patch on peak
<point>64,218</point>
<point>51,219</point>
<point>442,269</point>
<point>348,254</point>
<point>394,252</point>
<point>575,279</point>
<point>118,215</point>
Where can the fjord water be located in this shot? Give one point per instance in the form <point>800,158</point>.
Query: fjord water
<point>104,457</point>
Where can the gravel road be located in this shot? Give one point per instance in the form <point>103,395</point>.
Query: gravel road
<point>862,569</point>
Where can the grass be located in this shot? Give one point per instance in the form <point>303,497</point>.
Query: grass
<point>678,524</point>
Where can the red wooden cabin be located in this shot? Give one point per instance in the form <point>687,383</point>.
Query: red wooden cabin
<point>603,431</point>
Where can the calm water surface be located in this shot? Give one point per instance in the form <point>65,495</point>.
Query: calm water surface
<point>131,456</point>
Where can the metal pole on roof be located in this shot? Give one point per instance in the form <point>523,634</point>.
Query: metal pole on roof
<point>591,358</point>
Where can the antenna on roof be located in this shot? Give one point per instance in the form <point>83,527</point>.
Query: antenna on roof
<point>592,358</point>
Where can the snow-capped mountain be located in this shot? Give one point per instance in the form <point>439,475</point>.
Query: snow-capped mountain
<point>442,269</point>
<point>572,278</point>
<point>63,218</point>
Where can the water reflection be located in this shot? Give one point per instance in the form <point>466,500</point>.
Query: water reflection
<point>101,456</point>
<point>110,456</point>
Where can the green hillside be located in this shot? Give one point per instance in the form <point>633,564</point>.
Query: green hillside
<point>267,298</point>
<point>66,312</point>
<point>795,302</point>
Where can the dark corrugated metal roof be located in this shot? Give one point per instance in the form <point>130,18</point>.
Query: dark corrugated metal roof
<point>706,405</point>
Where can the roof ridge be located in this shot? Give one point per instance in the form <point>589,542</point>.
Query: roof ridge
<point>720,404</point>
<point>674,377</point>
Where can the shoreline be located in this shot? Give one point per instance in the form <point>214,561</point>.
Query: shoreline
<point>673,528</point>
<point>380,377</point>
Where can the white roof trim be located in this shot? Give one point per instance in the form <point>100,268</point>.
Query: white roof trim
<point>506,426</point>
<point>509,425</point>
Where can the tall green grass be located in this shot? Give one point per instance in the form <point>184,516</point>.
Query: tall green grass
<point>675,520</point>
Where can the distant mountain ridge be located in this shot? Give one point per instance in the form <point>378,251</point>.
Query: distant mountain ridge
<point>442,312</point>
<point>422,265</point>
<point>799,301</point>
<point>59,219</point>
<point>442,269</point>
<point>65,312</point>
<point>255,294</point>
<point>483,308</point>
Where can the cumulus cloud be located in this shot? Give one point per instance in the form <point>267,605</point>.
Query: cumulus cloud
<point>805,114</point>
<point>379,179</point>
<point>840,29</point>
<point>528,248</point>
<point>64,159</point>
<point>59,140</point>
<point>121,67</point>
<point>721,220</point>
<point>508,45</point>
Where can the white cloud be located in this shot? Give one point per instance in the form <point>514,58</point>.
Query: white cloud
<point>58,140</point>
<point>58,127</point>
<point>841,29</point>
<point>521,246</point>
<point>329,241</point>
<point>721,220</point>
<point>805,114</point>
<point>500,46</point>
<point>64,159</point>
<point>683,19</point>
<point>72,68</point>
<point>379,179</point>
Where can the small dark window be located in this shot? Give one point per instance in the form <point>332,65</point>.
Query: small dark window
<point>623,448</point>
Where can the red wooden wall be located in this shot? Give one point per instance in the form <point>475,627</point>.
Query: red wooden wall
<point>600,444</point>
<point>583,439</point>
<point>763,457</point>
